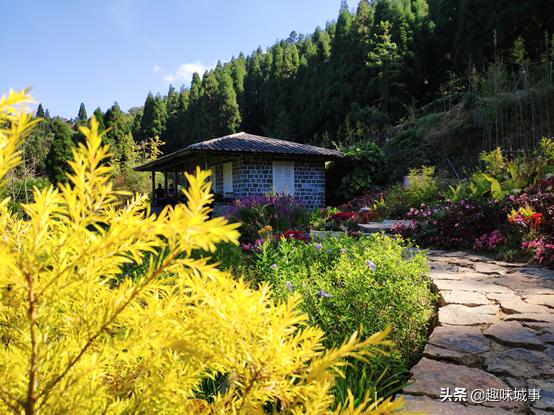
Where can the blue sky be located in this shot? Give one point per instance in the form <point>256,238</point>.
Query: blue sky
<point>102,51</point>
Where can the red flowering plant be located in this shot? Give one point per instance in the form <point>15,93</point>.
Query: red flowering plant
<point>341,217</point>
<point>451,224</point>
<point>333,219</point>
<point>293,234</point>
<point>532,216</point>
<point>489,241</point>
<point>543,251</point>
<point>525,217</point>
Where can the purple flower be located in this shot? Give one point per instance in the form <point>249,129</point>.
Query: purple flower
<point>318,246</point>
<point>324,294</point>
<point>273,266</point>
<point>370,264</point>
<point>289,286</point>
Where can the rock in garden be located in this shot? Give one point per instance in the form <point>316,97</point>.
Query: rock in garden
<point>527,284</point>
<point>512,333</point>
<point>430,376</point>
<point>511,303</point>
<point>547,338</point>
<point>438,353</point>
<point>429,406</point>
<point>465,339</point>
<point>540,317</point>
<point>546,401</point>
<point>445,275</point>
<point>546,300</point>
<point>467,316</point>
<point>520,362</point>
<point>467,298</point>
<point>471,285</point>
<point>486,268</point>
<point>544,273</point>
<point>456,254</point>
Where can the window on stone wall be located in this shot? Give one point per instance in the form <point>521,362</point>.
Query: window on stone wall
<point>283,177</point>
<point>228,179</point>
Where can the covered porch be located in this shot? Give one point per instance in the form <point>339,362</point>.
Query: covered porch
<point>168,189</point>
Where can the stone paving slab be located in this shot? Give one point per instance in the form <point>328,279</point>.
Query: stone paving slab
<point>495,330</point>
<point>467,298</point>
<point>430,376</point>
<point>513,304</point>
<point>512,333</point>
<point>461,315</point>
<point>424,405</point>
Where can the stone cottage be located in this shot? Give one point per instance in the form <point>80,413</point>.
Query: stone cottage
<point>245,164</point>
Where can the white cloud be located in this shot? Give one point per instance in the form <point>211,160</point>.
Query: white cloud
<point>184,72</point>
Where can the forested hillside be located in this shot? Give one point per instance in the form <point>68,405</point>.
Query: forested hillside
<point>426,80</point>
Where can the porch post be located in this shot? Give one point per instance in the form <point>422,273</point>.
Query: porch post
<point>175,179</point>
<point>165,182</point>
<point>153,199</point>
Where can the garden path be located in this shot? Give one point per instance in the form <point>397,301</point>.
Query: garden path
<point>495,332</point>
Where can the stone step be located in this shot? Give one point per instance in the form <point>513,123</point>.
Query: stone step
<point>384,226</point>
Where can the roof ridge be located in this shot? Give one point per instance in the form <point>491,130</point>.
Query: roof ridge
<point>231,135</point>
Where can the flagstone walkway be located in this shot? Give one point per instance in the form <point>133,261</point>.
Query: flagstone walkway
<point>494,339</point>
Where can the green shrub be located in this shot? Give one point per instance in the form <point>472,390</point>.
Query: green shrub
<point>363,167</point>
<point>501,176</point>
<point>406,150</point>
<point>423,187</point>
<point>20,191</point>
<point>347,282</point>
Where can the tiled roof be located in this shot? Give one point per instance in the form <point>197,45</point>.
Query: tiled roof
<point>243,143</point>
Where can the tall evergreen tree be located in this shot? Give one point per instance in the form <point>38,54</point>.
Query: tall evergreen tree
<point>154,117</point>
<point>384,59</point>
<point>40,111</point>
<point>118,123</point>
<point>99,117</point>
<point>219,110</point>
<point>82,116</point>
<point>176,132</point>
<point>60,151</point>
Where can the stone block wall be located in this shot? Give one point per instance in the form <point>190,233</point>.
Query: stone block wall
<point>309,183</point>
<point>253,176</point>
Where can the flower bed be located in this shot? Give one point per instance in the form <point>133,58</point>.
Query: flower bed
<point>347,282</point>
<point>490,214</point>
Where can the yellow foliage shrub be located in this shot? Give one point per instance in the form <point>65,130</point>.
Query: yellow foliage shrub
<point>77,339</point>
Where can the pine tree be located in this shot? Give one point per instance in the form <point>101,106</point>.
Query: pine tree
<point>172,97</point>
<point>60,151</point>
<point>229,114</point>
<point>384,60</point>
<point>82,116</point>
<point>40,111</point>
<point>193,115</point>
<point>99,117</point>
<point>176,132</point>
<point>147,117</point>
<point>117,122</point>
<point>154,117</point>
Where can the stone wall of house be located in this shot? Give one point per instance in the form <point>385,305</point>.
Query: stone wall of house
<point>309,183</point>
<point>253,176</point>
